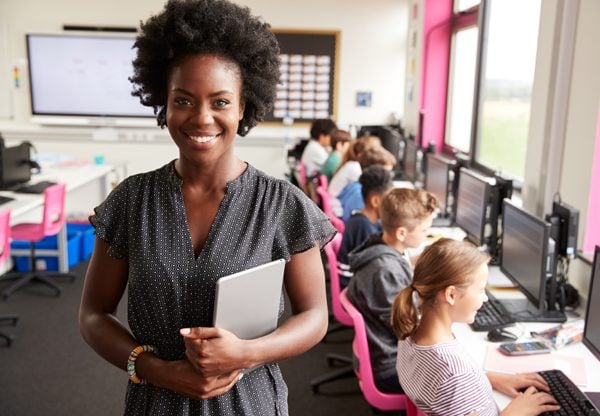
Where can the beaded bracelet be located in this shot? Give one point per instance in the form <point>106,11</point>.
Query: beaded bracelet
<point>133,357</point>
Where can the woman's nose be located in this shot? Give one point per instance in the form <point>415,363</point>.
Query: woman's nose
<point>203,115</point>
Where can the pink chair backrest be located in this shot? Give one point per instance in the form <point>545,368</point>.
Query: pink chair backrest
<point>364,372</point>
<point>338,223</point>
<point>54,209</point>
<point>4,235</point>
<point>339,313</point>
<point>302,173</point>
<point>412,409</point>
<point>323,181</point>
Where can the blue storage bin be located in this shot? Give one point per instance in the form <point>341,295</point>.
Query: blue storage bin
<point>87,238</point>
<point>73,248</point>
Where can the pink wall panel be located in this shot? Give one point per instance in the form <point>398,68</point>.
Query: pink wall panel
<point>592,230</point>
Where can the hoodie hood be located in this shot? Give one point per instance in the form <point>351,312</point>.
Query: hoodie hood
<point>373,247</point>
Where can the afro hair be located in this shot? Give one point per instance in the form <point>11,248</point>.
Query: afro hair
<point>216,27</point>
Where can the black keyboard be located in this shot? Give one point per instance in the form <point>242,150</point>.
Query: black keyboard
<point>492,315</point>
<point>36,188</point>
<point>5,199</point>
<point>572,401</point>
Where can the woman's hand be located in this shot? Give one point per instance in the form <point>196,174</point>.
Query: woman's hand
<point>531,403</point>
<point>512,384</point>
<point>214,352</point>
<point>182,377</point>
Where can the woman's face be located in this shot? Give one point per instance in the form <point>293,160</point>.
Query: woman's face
<point>472,297</point>
<point>204,107</point>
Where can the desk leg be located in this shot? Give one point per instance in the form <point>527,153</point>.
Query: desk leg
<point>63,255</point>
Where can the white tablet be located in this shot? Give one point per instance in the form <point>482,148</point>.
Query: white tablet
<point>247,302</point>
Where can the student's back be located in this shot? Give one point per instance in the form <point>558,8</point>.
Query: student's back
<point>380,272</point>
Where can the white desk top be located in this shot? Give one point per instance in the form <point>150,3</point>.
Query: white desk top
<point>477,345</point>
<point>73,176</point>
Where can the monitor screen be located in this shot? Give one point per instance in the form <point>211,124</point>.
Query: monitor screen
<point>390,138</point>
<point>591,333</point>
<point>437,179</point>
<point>471,204</point>
<point>83,75</point>
<point>16,168</point>
<point>411,151</point>
<point>525,251</point>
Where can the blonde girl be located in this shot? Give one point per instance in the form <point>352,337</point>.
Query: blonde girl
<point>433,368</point>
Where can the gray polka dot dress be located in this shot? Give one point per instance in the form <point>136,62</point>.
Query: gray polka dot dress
<point>260,219</point>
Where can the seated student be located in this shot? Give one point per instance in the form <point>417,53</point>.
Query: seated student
<point>350,199</point>
<point>315,153</point>
<point>435,371</point>
<point>340,141</point>
<point>374,181</point>
<point>382,268</point>
<point>350,170</point>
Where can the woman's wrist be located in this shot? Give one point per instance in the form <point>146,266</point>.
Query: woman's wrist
<point>148,368</point>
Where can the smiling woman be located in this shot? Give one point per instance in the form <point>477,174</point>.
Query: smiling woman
<point>209,69</point>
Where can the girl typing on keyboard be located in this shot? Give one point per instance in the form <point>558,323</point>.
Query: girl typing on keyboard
<point>436,372</point>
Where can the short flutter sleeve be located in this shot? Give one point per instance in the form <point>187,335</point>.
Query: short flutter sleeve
<point>110,221</point>
<point>302,225</point>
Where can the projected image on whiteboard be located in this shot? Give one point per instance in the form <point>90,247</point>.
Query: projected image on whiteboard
<point>82,75</point>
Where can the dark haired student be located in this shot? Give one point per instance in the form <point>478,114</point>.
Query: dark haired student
<point>209,69</point>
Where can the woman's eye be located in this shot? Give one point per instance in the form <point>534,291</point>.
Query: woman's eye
<point>182,101</point>
<point>221,103</point>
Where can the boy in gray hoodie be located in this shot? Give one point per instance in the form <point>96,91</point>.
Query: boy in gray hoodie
<point>382,268</point>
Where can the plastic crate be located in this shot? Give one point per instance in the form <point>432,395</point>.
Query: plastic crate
<point>87,238</point>
<point>49,263</point>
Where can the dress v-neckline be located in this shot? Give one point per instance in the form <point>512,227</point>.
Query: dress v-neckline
<point>221,211</point>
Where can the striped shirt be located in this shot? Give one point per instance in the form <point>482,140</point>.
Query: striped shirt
<point>443,380</point>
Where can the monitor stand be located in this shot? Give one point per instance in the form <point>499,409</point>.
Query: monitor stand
<point>524,311</point>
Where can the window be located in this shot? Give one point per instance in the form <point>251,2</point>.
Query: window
<point>490,82</point>
<point>506,85</point>
<point>461,87</point>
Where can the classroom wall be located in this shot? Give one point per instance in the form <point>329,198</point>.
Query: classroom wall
<point>373,42</point>
<point>565,99</point>
<point>584,98</point>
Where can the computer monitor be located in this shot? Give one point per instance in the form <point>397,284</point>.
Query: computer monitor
<point>591,331</point>
<point>438,180</point>
<point>391,140</point>
<point>568,224</point>
<point>411,160</point>
<point>16,166</point>
<point>526,253</point>
<point>471,204</point>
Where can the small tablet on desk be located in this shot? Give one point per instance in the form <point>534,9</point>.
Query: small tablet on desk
<point>247,302</point>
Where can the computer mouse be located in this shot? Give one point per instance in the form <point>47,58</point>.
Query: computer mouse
<point>500,334</point>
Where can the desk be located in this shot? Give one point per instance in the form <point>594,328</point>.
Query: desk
<point>87,185</point>
<point>476,344</point>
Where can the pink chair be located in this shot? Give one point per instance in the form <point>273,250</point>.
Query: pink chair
<point>344,321</point>
<point>364,372</point>
<point>339,313</point>
<point>323,181</point>
<point>52,221</point>
<point>301,172</point>
<point>4,250</point>
<point>338,223</point>
<point>412,409</point>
